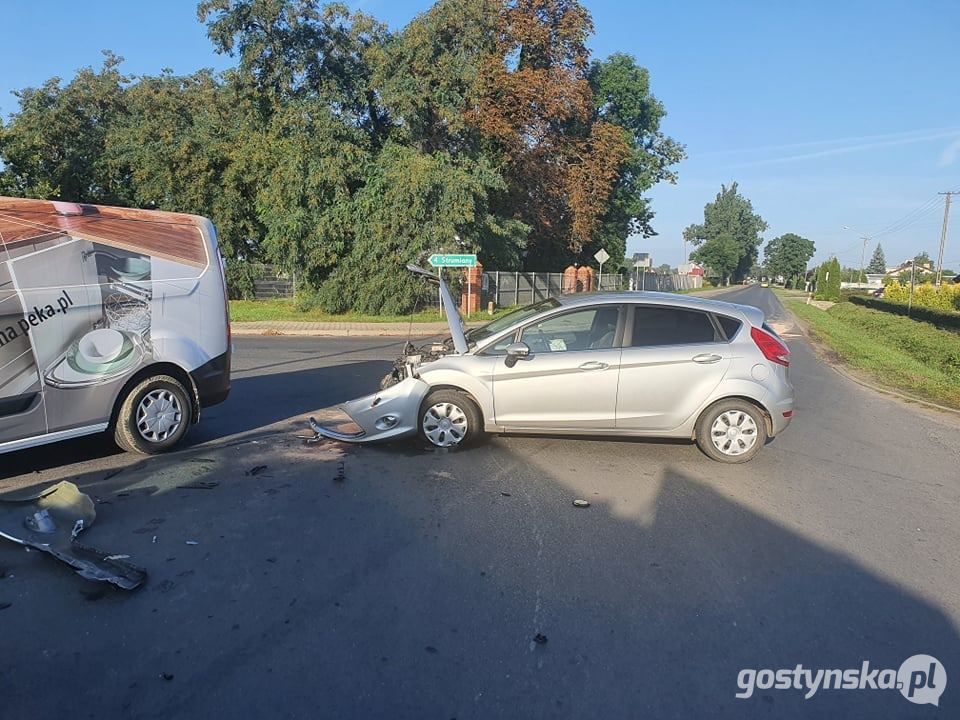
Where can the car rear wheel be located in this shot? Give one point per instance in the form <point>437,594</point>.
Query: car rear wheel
<point>154,416</point>
<point>449,418</point>
<point>731,431</point>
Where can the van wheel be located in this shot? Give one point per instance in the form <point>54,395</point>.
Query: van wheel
<point>154,416</point>
<point>731,431</point>
<point>449,418</point>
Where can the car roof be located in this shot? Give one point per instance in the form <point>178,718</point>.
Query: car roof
<point>656,298</point>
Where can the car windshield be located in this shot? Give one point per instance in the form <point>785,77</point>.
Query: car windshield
<point>511,318</point>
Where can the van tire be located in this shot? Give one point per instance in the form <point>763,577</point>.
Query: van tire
<point>160,391</point>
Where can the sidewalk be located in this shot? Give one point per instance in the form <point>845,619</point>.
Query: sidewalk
<point>342,329</point>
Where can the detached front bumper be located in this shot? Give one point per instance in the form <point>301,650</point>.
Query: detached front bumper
<point>390,413</point>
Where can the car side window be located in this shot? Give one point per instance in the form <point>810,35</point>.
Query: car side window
<point>730,325</point>
<point>655,326</point>
<point>500,347</point>
<point>591,329</point>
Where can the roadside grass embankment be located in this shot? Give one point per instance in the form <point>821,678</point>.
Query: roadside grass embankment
<point>895,352</point>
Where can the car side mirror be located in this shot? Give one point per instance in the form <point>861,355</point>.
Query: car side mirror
<point>516,351</point>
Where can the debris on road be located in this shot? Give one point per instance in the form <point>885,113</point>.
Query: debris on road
<point>581,503</point>
<point>540,639</point>
<point>199,485</point>
<point>256,470</point>
<point>50,522</point>
<point>340,476</point>
<point>192,542</point>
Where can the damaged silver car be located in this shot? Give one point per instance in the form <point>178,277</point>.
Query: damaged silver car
<point>637,364</point>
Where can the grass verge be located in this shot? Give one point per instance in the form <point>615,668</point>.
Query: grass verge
<point>896,352</point>
<point>286,311</point>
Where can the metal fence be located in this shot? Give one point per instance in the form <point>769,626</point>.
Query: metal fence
<point>271,283</point>
<point>505,288</point>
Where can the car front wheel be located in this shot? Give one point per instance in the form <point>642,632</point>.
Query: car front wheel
<point>731,431</point>
<point>449,418</point>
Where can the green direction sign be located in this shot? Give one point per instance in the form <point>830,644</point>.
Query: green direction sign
<point>438,261</point>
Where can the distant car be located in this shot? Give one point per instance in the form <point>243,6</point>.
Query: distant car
<point>956,279</point>
<point>878,293</point>
<point>764,283</point>
<point>613,364</point>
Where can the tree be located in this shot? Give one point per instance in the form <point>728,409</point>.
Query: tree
<point>54,147</point>
<point>732,215</point>
<point>721,255</point>
<point>878,263</point>
<point>788,255</point>
<point>828,280</point>
<point>342,150</point>
<point>622,97</point>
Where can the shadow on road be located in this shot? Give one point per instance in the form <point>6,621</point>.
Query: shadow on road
<point>417,588</point>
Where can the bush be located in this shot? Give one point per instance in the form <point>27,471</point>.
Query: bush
<point>240,280</point>
<point>945,320</point>
<point>946,298</point>
<point>828,281</point>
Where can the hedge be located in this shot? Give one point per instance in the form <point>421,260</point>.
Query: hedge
<point>948,321</point>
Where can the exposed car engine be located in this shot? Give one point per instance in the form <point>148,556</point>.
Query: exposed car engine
<point>405,366</point>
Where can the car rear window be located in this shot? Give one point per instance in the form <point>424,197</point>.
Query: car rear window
<point>730,325</point>
<point>653,326</point>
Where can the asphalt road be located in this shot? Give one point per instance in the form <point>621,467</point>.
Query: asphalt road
<point>416,587</point>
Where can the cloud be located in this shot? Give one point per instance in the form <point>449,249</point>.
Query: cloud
<point>891,141</point>
<point>950,154</point>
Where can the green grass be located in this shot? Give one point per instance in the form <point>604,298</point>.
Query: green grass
<point>285,310</point>
<point>896,352</point>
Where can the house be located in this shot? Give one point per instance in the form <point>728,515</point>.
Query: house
<point>906,267</point>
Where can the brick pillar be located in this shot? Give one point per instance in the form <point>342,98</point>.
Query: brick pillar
<point>569,283</point>
<point>584,279</point>
<point>470,293</point>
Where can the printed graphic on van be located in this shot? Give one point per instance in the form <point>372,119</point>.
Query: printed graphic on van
<point>92,298</point>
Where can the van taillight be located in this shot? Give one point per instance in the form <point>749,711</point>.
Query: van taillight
<point>772,349</point>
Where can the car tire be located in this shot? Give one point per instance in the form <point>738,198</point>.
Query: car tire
<point>731,431</point>
<point>154,416</point>
<point>448,419</point>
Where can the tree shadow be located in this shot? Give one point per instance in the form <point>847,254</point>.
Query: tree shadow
<point>417,588</point>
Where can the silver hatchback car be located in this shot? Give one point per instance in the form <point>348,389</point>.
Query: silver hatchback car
<point>638,364</point>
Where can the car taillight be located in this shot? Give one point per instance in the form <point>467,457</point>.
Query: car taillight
<point>772,349</point>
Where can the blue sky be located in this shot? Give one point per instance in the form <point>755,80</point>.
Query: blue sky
<point>827,114</point>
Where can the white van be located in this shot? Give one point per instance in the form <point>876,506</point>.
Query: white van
<point>111,319</point>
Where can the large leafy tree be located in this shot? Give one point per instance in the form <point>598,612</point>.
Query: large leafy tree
<point>55,145</point>
<point>788,255</point>
<point>622,97</point>
<point>731,214</point>
<point>878,262</point>
<point>341,150</point>
<point>720,255</point>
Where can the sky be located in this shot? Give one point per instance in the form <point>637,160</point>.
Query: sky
<point>836,119</point>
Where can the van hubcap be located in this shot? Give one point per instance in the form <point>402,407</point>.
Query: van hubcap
<point>733,432</point>
<point>444,424</point>
<point>158,415</point>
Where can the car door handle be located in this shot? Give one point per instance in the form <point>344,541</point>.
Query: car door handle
<point>594,365</point>
<point>706,358</point>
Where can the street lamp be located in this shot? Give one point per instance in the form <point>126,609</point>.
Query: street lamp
<point>863,251</point>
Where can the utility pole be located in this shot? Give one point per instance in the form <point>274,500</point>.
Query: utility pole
<point>943,233</point>
<point>863,251</point>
